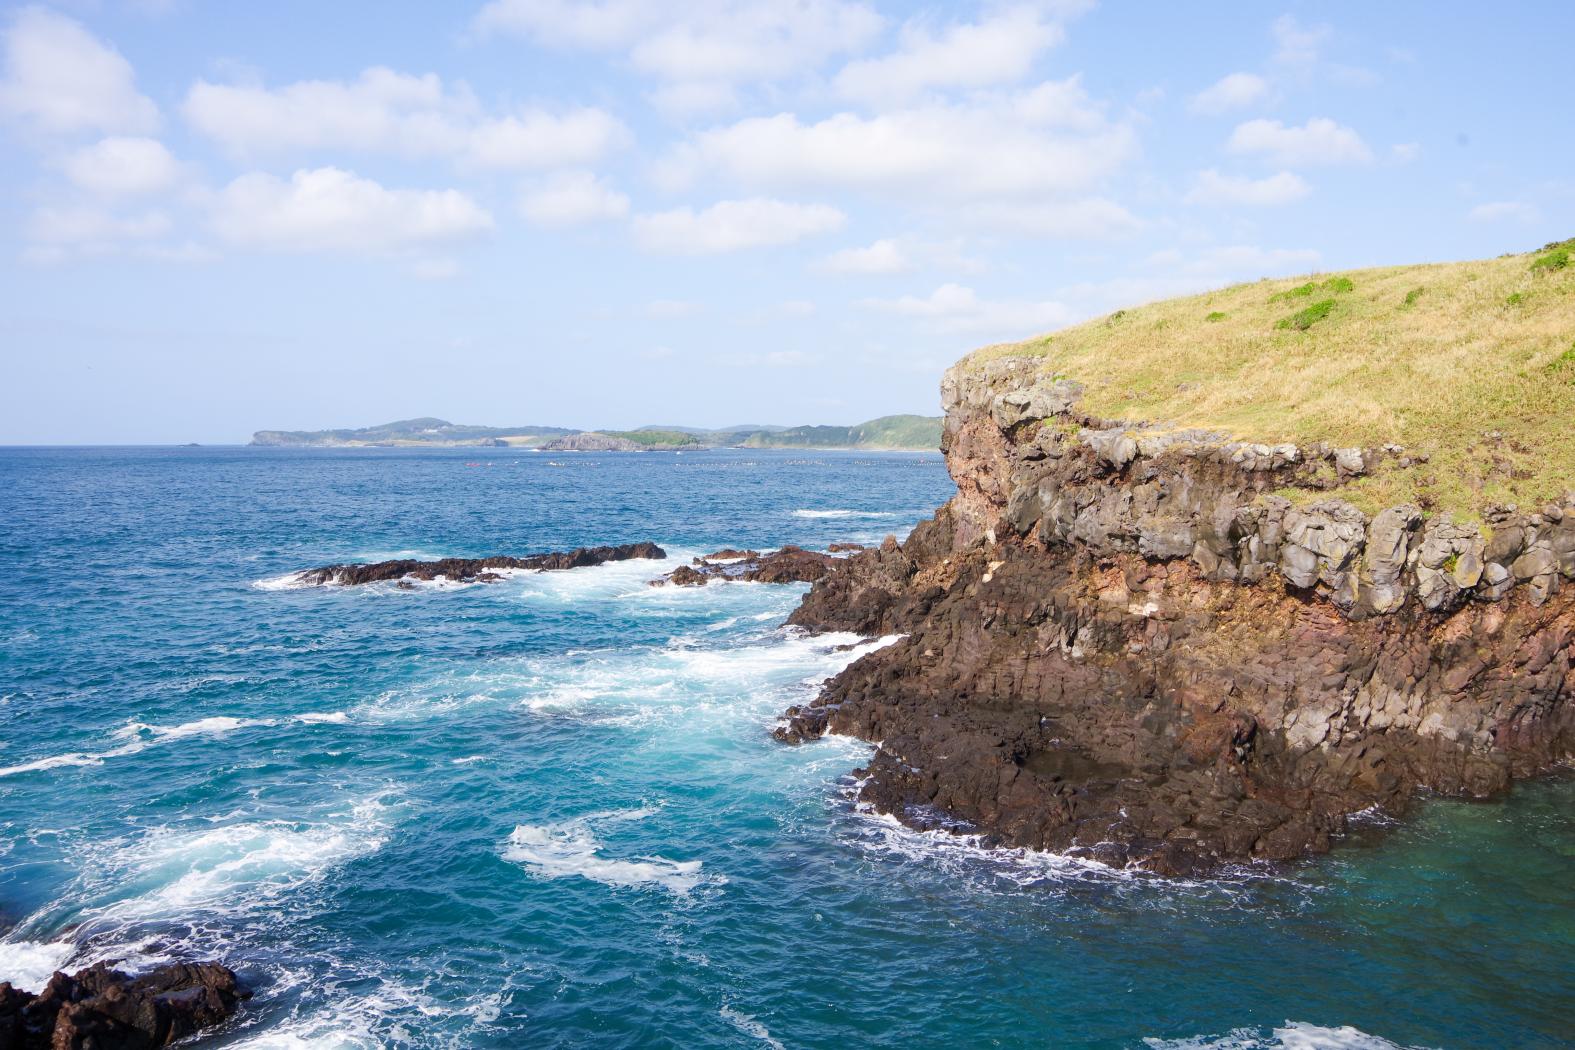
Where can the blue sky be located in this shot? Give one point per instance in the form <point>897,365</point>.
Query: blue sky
<point>224,217</point>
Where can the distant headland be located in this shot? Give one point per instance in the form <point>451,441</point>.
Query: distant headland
<point>888,432</point>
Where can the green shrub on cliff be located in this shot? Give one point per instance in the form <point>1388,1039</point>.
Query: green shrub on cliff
<point>1425,356</point>
<point>1554,260</point>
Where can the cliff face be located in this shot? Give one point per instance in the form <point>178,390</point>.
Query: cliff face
<point>1121,641</point>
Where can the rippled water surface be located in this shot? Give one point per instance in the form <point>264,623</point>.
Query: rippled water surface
<point>548,811</point>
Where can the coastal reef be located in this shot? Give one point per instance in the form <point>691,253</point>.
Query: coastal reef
<point>100,1008</point>
<point>786,565</point>
<point>1174,647</point>
<point>471,570</point>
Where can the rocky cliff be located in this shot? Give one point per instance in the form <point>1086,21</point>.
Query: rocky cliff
<point>1162,647</point>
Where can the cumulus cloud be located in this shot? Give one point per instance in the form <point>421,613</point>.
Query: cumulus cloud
<point>572,199</point>
<point>386,111</point>
<point>1235,91</point>
<point>996,50</point>
<point>1051,140</point>
<point>94,228</point>
<point>1505,211</point>
<point>731,225</point>
<point>1211,187</point>
<point>61,78</point>
<point>884,256</point>
<point>956,308</point>
<point>118,166</point>
<point>707,43</point>
<point>329,210</point>
<point>1319,141</point>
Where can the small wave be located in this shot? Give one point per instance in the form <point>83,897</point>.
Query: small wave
<point>571,848</point>
<point>28,965</point>
<point>1294,1035</point>
<point>139,736</point>
<point>290,581</point>
<point>749,1026</point>
<point>840,512</point>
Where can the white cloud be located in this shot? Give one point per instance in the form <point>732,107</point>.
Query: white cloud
<point>1299,45</point>
<point>705,41</point>
<point>884,256</point>
<point>731,225</point>
<point>1236,91</point>
<point>1319,141</point>
<point>123,166</point>
<point>386,111</point>
<point>572,199</point>
<point>329,210</point>
<point>1505,211</point>
<point>955,308</point>
<point>61,78</point>
<point>1212,187</point>
<point>1029,144</point>
<point>1405,152</point>
<point>996,50</point>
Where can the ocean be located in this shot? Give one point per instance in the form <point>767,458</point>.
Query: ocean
<point>548,811</point>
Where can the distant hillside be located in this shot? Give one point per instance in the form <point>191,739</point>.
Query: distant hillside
<point>424,432</point>
<point>887,432</point>
<point>916,432</point>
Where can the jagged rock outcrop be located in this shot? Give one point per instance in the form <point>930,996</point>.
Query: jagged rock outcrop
<point>1121,640</point>
<point>472,570</point>
<point>100,1008</point>
<point>785,565</point>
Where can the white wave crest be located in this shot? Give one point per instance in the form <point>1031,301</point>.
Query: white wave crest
<point>750,1027</point>
<point>28,965</point>
<point>1294,1035</point>
<point>840,512</point>
<point>571,848</point>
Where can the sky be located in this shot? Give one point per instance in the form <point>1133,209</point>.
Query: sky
<point>220,217</point>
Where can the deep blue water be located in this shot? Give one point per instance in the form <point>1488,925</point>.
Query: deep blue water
<point>548,812</point>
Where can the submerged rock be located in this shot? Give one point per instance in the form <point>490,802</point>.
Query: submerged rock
<point>471,570</point>
<point>100,1008</point>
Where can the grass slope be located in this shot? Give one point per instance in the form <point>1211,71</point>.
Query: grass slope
<point>887,432</point>
<point>1439,358</point>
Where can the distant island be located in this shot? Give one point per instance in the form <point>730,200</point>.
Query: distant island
<point>887,432</point>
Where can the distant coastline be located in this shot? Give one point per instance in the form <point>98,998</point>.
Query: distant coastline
<point>900,433</point>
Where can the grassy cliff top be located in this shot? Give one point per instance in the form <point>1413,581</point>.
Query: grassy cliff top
<point>1472,363</point>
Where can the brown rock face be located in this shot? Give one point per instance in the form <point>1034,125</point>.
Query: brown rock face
<point>466,570</point>
<point>104,1009</point>
<point>1077,674</point>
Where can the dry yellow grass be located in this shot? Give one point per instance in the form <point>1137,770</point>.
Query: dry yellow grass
<point>1436,358</point>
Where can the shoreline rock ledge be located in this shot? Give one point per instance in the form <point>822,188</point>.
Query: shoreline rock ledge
<point>100,1008</point>
<point>1120,641</point>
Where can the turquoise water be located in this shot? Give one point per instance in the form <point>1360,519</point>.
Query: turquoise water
<point>548,812</point>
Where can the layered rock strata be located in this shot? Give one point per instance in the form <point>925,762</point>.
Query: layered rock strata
<point>472,570</point>
<point>1125,641</point>
<point>103,1009</point>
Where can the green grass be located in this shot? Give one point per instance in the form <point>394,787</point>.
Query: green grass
<point>1437,373</point>
<point>1554,260</point>
<point>1514,298</point>
<point>1215,315</point>
<point>1305,319</point>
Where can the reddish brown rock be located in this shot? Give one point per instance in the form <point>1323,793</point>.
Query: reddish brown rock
<point>103,1009</point>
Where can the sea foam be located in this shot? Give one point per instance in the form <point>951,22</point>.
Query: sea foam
<point>571,848</point>
<point>1293,1035</point>
<point>28,965</point>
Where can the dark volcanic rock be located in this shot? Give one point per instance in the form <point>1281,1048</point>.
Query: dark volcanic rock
<point>467,570</point>
<point>1149,659</point>
<point>104,1009</point>
<point>787,565</point>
